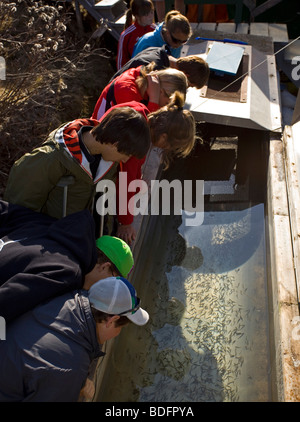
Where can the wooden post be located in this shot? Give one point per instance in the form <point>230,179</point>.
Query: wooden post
<point>79,18</point>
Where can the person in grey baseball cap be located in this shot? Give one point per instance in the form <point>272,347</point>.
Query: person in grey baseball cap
<point>47,353</point>
<point>116,296</point>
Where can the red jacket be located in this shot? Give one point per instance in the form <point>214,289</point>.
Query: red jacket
<point>121,90</point>
<point>132,167</point>
<point>128,39</point>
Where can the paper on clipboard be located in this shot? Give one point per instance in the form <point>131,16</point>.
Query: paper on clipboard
<point>225,58</point>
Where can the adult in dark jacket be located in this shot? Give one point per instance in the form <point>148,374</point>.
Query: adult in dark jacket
<point>48,351</point>
<point>158,55</point>
<point>194,67</point>
<point>42,257</point>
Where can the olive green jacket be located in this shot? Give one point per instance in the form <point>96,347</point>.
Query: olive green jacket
<point>34,180</point>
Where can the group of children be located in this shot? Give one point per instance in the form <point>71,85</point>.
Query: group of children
<point>62,292</point>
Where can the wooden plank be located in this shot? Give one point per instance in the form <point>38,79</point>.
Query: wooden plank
<point>106,4</point>
<point>208,26</point>
<point>290,351</point>
<point>290,137</point>
<point>284,294</point>
<point>194,26</point>
<point>226,27</point>
<point>121,21</point>
<point>281,249</point>
<point>242,28</point>
<point>259,28</point>
<point>278,31</point>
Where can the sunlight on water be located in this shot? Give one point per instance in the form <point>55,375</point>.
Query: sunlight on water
<point>218,350</point>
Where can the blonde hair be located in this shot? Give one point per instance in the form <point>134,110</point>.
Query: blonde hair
<point>138,8</point>
<point>175,21</point>
<point>178,124</point>
<point>170,79</point>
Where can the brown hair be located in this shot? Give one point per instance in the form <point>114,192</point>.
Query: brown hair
<point>102,259</point>
<point>178,124</point>
<point>175,21</point>
<point>100,316</point>
<point>125,127</point>
<point>138,8</point>
<point>170,79</point>
<point>195,68</point>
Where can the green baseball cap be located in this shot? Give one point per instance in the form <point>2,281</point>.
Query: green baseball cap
<point>118,252</point>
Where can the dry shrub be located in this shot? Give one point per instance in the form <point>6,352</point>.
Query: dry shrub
<point>52,76</point>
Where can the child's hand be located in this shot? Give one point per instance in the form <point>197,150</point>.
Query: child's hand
<point>126,233</point>
<point>87,392</point>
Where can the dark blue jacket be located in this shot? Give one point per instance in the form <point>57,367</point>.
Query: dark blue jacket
<point>41,257</point>
<point>48,351</point>
<point>158,55</point>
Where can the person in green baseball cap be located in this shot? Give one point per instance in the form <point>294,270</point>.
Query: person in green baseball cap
<point>114,259</point>
<point>118,252</point>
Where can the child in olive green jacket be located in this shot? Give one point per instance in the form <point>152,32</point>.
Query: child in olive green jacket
<point>81,153</point>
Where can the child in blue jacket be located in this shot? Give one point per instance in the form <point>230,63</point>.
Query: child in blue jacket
<point>174,31</point>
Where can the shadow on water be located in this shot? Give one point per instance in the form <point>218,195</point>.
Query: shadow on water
<point>204,288</point>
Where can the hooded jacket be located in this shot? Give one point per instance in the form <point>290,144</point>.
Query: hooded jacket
<point>158,55</point>
<point>121,90</point>
<point>48,351</point>
<point>41,257</point>
<point>34,178</point>
<point>154,39</point>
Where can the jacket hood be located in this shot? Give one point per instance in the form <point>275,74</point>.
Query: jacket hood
<point>75,320</point>
<point>67,137</point>
<point>158,29</point>
<point>48,352</point>
<point>136,105</point>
